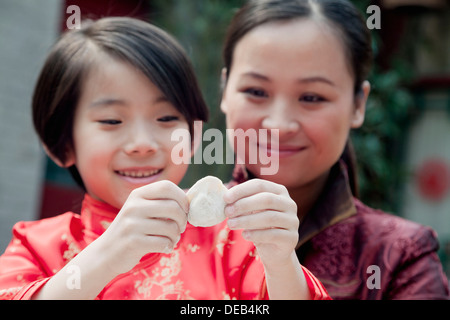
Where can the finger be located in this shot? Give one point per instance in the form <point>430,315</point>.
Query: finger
<point>163,190</point>
<point>158,209</point>
<point>265,220</point>
<point>252,187</point>
<point>260,202</point>
<point>159,244</point>
<point>162,228</point>
<point>168,210</point>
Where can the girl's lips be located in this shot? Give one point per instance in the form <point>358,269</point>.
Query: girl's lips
<point>139,175</point>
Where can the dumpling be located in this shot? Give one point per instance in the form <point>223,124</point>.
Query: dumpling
<point>206,204</point>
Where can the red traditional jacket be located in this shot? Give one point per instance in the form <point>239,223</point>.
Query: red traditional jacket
<point>361,253</point>
<point>208,263</point>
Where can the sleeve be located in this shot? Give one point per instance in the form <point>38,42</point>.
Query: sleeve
<point>316,288</point>
<point>419,275</point>
<point>21,275</point>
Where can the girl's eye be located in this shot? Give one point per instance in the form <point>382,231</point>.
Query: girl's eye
<point>168,118</point>
<point>258,93</point>
<point>110,122</point>
<point>311,98</point>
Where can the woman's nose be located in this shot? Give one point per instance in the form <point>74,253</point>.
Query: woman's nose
<point>282,116</point>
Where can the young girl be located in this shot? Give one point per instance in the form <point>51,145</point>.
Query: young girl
<point>106,103</point>
<point>301,67</point>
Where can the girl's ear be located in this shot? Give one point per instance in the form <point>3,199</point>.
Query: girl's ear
<point>198,135</point>
<point>70,158</point>
<point>360,105</point>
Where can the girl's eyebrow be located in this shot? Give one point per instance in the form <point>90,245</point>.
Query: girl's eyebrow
<point>121,102</point>
<point>107,102</point>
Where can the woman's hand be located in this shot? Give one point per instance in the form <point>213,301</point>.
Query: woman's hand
<point>268,216</point>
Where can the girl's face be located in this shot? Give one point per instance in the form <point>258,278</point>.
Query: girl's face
<point>294,76</point>
<point>122,133</point>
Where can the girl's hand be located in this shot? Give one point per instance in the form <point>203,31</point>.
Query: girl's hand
<point>269,218</point>
<point>151,220</point>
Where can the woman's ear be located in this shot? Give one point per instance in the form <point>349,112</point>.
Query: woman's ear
<point>223,86</point>
<point>70,158</point>
<point>360,105</point>
<point>198,135</point>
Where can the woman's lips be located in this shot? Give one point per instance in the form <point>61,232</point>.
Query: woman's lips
<point>282,151</point>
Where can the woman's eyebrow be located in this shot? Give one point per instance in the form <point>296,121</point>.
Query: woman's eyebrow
<point>256,75</point>
<point>317,79</point>
<point>262,77</point>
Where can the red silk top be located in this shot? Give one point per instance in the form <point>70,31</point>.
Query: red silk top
<point>208,263</point>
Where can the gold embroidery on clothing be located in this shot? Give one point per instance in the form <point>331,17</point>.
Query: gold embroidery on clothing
<point>157,286</point>
<point>9,293</point>
<point>105,224</point>
<point>192,248</point>
<point>226,296</point>
<point>254,253</point>
<point>222,239</point>
<point>72,249</point>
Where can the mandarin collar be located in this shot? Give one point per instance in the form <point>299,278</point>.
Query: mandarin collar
<point>96,215</point>
<point>334,204</point>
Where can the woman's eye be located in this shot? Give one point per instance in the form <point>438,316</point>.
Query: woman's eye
<point>259,93</point>
<point>168,118</point>
<point>110,122</point>
<point>311,98</point>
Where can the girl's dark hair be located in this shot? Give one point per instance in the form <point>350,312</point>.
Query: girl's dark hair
<point>151,50</point>
<point>341,15</point>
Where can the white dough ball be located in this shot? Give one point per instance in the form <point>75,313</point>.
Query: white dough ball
<point>206,204</point>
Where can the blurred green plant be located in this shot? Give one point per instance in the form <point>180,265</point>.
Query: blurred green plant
<point>200,25</point>
<point>380,143</point>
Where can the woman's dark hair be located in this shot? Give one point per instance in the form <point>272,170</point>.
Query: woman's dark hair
<point>151,50</point>
<point>341,15</point>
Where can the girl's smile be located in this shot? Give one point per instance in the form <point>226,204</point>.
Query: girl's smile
<point>139,176</point>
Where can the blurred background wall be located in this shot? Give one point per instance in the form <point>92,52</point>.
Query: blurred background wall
<point>27,29</point>
<point>403,148</point>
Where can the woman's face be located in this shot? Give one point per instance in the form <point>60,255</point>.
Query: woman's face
<point>294,76</point>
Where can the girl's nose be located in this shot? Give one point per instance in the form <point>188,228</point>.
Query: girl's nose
<point>141,141</point>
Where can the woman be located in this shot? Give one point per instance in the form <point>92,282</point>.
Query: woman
<point>300,67</point>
